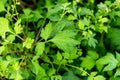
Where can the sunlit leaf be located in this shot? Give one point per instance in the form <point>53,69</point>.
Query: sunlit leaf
<point>64,41</point>
<point>117,73</point>
<point>108,60</point>
<point>81,25</point>
<point>28,43</point>
<point>40,46</point>
<point>87,62</point>
<point>4,26</point>
<point>45,33</point>
<point>99,77</point>
<point>18,28</point>
<point>2,8</point>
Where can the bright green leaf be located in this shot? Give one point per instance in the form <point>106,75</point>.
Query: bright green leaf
<point>28,43</point>
<point>81,25</point>
<point>87,62</point>
<point>59,56</point>
<point>2,8</point>
<point>117,73</point>
<point>18,29</point>
<point>45,33</point>
<point>4,26</point>
<point>64,41</point>
<point>40,46</point>
<point>2,48</point>
<point>99,77</point>
<point>93,54</point>
<point>108,60</point>
<point>27,12</point>
<point>3,65</point>
<point>51,72</point>
<point>11,38</point>
<point>71,17</point>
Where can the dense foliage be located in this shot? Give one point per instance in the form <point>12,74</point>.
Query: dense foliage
<point>60,39</point>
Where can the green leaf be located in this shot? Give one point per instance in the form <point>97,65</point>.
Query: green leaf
<point>117,73</point>
<point>24,73</point>
<point>93,54</point>
<point>69,76</point>
<point>118,58</point>
<point>113,36</point>
<point>4,26</point>
<point>92,42</point>
<point>11,38</point>
<point>99,77</point>
<point>45,33</point>
<point>18,29</point>
<point>37,15</point>
<point>108,60</point>
<point>65,41</point>
<point>2,48</point>
<point>28,43</point>
<point>102,6</point>
<point>27,12</point>
<point>39,71</point>
<point>51,72</point>
<point>3,65</point>
<point>41,74</point>
<point>40,46</point>
<point>81,25</point>
<point>53,10</point>
<point>71,17</point>
<point>59,56</point>
<point>2,8</point>
<point>87,62</point>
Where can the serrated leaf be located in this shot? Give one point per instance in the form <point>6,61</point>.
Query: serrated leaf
<point>92,42</point>
<point>117,73</point>
<point>64,41</point>
<point>4,26</point>
<point>2,8</point>
<point>87,62</point>
<point>40,46</point>
<point>18,29</point>
<point>45,33</point>
<point>28,43</point>
<point>108,60</point>
<point>54,10</point>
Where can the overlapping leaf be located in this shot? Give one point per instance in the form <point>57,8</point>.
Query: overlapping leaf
<point>64,40</point>
<point>108,60</point>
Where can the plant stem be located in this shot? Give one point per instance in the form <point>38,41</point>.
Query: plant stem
<point>38,34</point>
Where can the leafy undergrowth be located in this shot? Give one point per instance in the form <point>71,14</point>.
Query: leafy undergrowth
<point>60,39</point>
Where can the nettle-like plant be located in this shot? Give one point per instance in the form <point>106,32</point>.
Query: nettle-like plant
<point>59,40</point>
